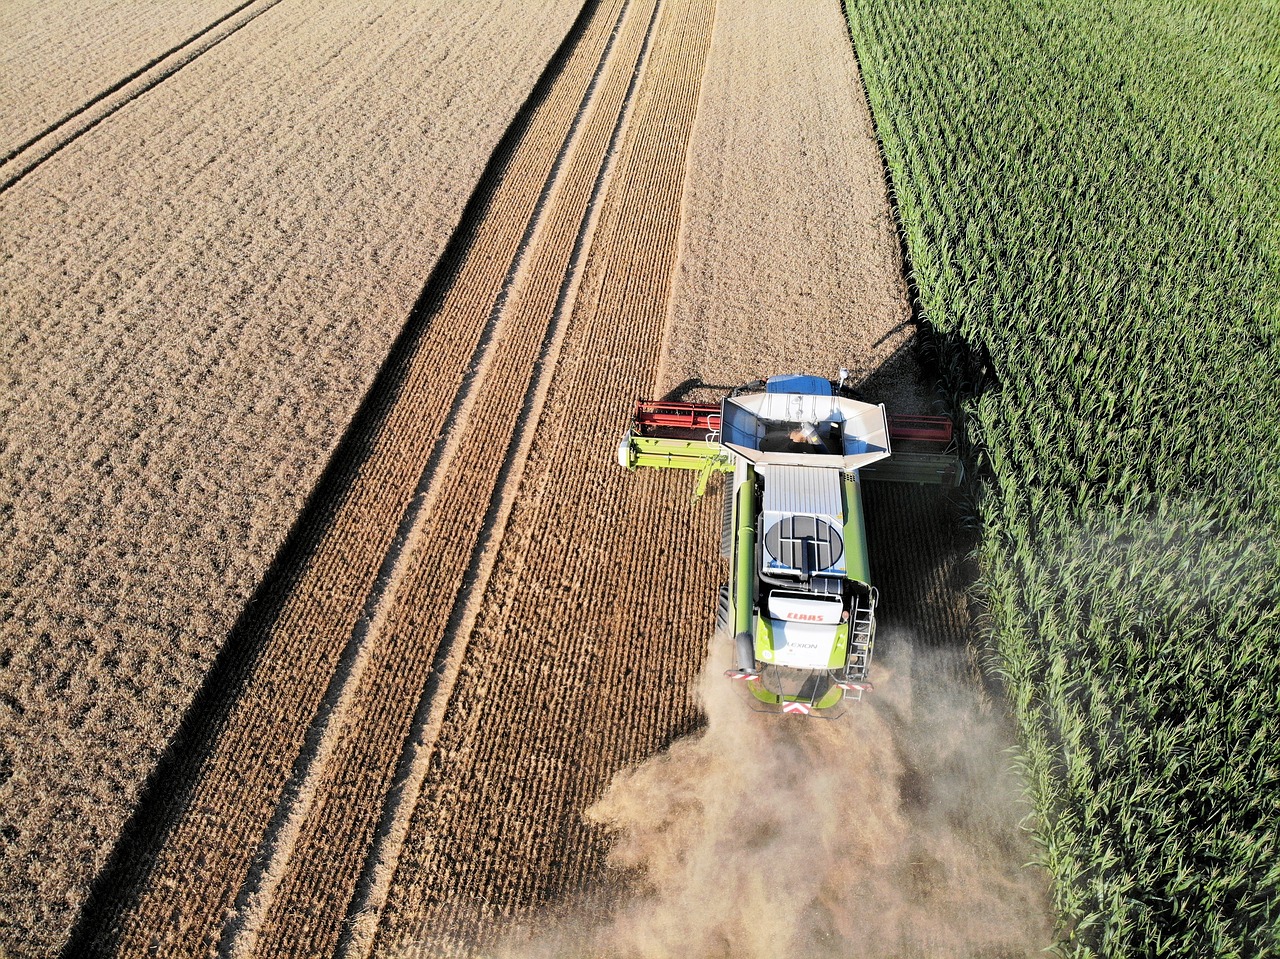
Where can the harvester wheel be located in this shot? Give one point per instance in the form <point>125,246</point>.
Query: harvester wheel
<point>724,617</point>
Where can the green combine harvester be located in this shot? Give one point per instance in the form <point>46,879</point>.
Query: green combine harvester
<point>799,606</point>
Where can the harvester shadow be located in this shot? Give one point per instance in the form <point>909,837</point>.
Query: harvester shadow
<point>898,382</point>
<point>693,384</point>
<point>170,787</point>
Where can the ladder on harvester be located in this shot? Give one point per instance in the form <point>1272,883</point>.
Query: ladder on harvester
<point>862,638</point>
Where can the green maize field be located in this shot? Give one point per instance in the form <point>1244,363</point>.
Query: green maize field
<point>1090,196</point>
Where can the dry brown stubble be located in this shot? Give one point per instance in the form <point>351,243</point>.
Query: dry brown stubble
<point>57,57</point>
<point>239,835</point>
<point>195,302</point>
<point>451,553</point>
<point>559,686</point>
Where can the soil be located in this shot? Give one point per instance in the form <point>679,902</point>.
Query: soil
<point>789,258</point>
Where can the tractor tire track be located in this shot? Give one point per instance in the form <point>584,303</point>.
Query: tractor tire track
<point>27,156</point>
<point>189,851</point>
<point>435,603</point>
<point>411,770</point>
<point>281,900</point>
<point>498,829</point>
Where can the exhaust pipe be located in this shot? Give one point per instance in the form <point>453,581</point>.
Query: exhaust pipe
<point>745,648</point>
<point>744,658</point>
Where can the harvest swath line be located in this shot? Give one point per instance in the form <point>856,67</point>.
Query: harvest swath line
<point>185,811</point>
<point>457,876</point>
<point>146,83</point>
<point>413,766</point>
<point>259,890</point>
<point>66,118</point>
<point>382,718</point>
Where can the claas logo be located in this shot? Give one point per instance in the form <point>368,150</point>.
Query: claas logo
<point>806,617</point>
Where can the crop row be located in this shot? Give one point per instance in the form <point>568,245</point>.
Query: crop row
<point>1090,196</point>
<point>427,613</point>
<point>566,677</point>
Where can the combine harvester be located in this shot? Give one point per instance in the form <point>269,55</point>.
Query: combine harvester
<point>799,603</point>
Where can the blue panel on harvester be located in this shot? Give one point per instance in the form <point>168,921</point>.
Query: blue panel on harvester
<point>796,383</point>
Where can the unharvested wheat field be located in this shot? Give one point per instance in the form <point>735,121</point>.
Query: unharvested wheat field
<point>331,626</point>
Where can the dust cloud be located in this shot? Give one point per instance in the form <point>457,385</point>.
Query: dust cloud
<point>891,832</point>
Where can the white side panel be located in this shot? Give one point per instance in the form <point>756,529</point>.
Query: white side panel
<point>802,645</point>
<point>793,608</point>
<point>797,489</point>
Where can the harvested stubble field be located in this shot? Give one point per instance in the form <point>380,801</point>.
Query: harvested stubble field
<point>57,59</point>
<point>476,620</point>
<point>197,295</point>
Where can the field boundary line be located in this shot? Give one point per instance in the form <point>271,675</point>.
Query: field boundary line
<point>68,117</point>
<point>243,927</point>
<point>364,912</point>
<point>129,88</point>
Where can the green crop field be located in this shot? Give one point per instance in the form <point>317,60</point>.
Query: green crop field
<point>1090,194</point>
